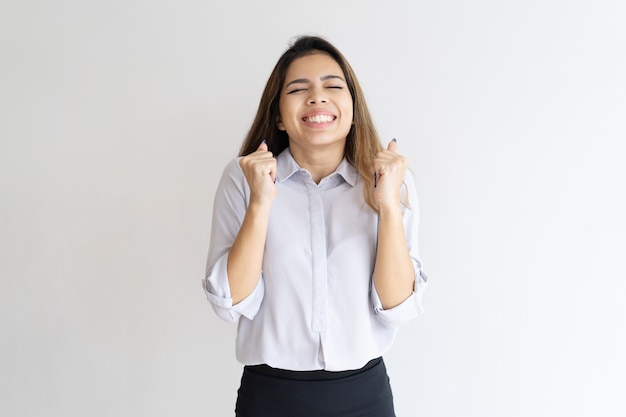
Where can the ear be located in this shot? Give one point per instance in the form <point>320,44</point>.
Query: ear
<point>279,124</point>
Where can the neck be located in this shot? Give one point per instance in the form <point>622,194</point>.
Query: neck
<point>320,163</point>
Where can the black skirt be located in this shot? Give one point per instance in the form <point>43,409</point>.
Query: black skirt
<point>270,392</point>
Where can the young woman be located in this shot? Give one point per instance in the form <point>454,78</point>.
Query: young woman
<point>314,245</point>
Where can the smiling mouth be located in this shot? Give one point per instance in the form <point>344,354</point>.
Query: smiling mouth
<point>319,118</point>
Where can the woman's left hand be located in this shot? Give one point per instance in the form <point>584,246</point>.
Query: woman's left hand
<point>389,168</point>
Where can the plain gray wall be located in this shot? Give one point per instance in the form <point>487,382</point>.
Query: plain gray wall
<point>117,118</point>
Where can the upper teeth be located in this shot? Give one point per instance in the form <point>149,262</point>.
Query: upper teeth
<point>319,118</point>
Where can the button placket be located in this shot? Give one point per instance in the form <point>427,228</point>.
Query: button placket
<point>318,253</point>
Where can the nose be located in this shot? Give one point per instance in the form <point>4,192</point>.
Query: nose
<point>317,96</point>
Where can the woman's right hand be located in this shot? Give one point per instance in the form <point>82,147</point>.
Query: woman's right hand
<point>245,259</point>
<point>259,168</point>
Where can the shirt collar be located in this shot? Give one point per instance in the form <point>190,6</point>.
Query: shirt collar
<point>286,166</point>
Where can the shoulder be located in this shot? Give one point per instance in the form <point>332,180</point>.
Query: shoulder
<point>233,165</point>
<point>409,178</point>
<point>232,175</point>
<point>233,169</point>
<point>409,190</point>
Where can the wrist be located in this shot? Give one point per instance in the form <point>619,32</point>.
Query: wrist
<point>259,206</point>
<point>390,210</point>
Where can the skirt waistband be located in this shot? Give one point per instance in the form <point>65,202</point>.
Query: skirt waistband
<point>317,375</point>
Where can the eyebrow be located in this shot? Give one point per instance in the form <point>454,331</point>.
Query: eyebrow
<point>307,81</point>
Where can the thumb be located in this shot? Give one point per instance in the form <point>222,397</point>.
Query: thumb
<point>262,146</point>
<point>393,145</point>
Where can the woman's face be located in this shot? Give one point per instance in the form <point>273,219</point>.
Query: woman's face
<point>315,103</point>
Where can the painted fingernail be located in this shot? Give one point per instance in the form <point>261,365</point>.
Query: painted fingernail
<point>394,140</point>
<point>375,180</point>
<point>264,142</point>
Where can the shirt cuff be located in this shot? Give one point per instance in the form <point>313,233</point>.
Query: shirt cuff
<point>405,311</point>
<point>217,291</point>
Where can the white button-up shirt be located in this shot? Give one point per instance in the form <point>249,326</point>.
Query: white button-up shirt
<point>315,305</point>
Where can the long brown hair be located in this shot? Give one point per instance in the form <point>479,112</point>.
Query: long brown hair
<point>362,141</point>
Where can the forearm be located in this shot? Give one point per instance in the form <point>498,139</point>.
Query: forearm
<point>394,273</point>
<point>245,258</point>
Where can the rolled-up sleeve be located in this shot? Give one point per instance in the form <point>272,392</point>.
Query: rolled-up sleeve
<point>218,293</point>
<point>406,310</point>
<point>229,208</point>
<point>412,306</point>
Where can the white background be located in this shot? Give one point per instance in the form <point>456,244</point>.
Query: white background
<point>117,118</point>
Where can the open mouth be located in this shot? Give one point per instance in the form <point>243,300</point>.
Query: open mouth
<point>319,118</point>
